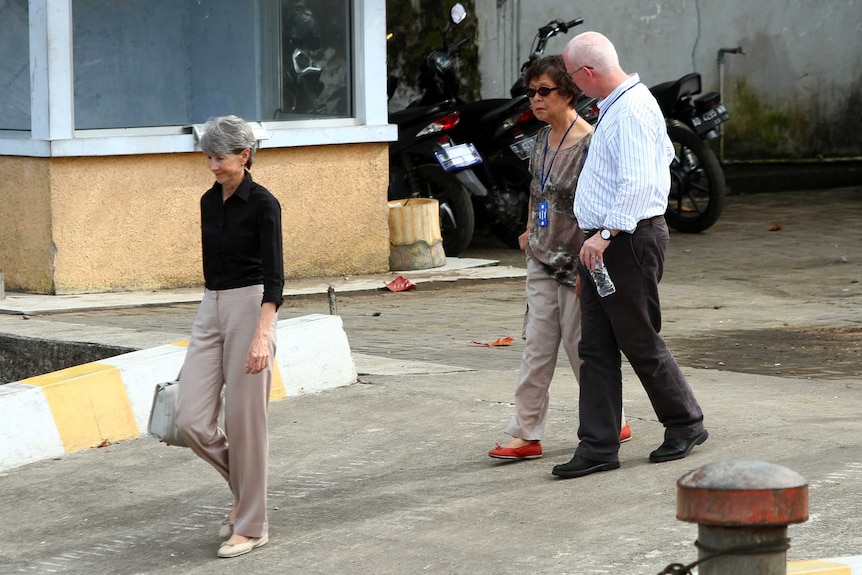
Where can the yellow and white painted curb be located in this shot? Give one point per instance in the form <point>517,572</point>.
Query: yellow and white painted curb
<point>109,400</point>
<point>833,566</point>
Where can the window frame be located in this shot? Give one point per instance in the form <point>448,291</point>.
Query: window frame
<point>52,132</point>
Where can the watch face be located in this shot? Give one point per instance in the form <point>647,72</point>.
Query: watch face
<point>606,234</point>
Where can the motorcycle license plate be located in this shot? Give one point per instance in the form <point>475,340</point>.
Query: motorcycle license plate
<point>710,119</point>
<point>523,147</point>
<point>456,157</point>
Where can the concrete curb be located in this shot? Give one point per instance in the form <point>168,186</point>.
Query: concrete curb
<point>101,402</point>
<point>455,269</point>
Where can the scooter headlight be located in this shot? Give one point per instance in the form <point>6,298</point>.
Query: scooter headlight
<point>440,61</point>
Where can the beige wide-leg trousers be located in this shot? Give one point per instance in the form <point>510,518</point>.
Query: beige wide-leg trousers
<point>216,360</point>
<point>553,316</point>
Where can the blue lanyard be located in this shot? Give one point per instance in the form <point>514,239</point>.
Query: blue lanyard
<point>543,178</point>
<point>614,101</point>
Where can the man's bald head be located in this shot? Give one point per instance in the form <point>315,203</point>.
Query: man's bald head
<point>593,50</point>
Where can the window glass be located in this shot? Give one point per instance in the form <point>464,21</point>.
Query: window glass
<point>14,66</point>
<point>141,63</point>
<point>316,63</point>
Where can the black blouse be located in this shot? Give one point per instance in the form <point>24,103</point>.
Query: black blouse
<point>241,240</point>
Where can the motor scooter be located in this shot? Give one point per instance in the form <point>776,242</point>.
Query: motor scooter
<point>697,194</point>
<point>504,130</point>
<point>303,92</point>
<point>301,74</point>
<point>697,190</point>
<point>425,162</point>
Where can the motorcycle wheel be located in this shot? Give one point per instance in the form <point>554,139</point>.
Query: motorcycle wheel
<point>697,187</point>
<point>512,183</point>
<point>457,219</point>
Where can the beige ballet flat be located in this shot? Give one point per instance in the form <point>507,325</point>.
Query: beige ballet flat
<point>228,550</point>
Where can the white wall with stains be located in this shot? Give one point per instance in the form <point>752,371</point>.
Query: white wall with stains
<point>802,57</point>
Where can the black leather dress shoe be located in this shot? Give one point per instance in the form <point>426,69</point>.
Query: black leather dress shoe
<point>677,448</point>
<point>580,466</point>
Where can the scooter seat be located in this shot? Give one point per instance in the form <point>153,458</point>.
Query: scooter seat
<point>668,93</point>
<point>413,114</point>
<point>503,108</point>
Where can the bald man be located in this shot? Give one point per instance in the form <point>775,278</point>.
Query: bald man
<point>620,203</point>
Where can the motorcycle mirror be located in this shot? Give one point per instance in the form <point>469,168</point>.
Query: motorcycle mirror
<point>458,13</point>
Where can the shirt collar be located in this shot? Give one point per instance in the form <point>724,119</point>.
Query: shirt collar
<point>618,91</point>
<point>243,191</point>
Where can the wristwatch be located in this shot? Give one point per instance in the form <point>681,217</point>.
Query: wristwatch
<point>606,234</point>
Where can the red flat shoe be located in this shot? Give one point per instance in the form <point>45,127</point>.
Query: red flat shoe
<point>625,433</point>
<point>532,450</point>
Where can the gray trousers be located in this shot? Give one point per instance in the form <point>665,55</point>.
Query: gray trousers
<point>629,321</point>
<point>216,360</point>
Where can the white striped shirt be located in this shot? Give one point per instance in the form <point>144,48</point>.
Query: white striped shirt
<point>626,177</point>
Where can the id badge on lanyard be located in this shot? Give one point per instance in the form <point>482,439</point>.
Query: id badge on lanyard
<point>545,177</point>
<point>543,214</point>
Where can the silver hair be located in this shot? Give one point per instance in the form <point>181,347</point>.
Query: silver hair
<point>228,134</point>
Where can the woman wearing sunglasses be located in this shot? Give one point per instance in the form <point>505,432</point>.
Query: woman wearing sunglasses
<point>551,241</point>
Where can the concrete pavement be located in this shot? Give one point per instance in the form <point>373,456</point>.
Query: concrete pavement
<point>390,475</point>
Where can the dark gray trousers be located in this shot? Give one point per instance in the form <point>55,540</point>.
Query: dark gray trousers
<point>629,321</point>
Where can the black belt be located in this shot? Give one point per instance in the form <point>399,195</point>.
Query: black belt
<point>640,224</point>
<point>649,221</point>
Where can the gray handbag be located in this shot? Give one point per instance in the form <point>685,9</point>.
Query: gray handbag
<point>163,415</point>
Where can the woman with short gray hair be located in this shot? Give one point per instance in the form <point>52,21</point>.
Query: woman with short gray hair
<point>228,134</point>
<point>233,343</point>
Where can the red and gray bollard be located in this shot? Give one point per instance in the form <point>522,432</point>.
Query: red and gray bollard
<point>742,508</point>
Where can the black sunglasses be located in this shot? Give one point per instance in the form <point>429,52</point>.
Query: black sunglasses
<point>543,91</point>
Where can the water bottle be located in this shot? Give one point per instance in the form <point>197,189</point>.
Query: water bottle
<point>604,284</point>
